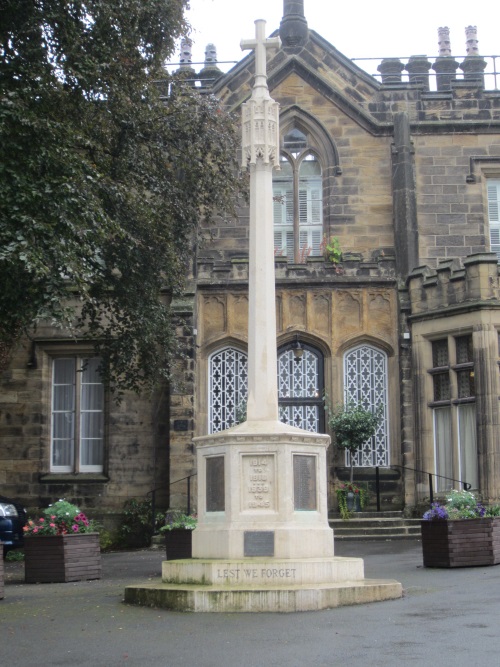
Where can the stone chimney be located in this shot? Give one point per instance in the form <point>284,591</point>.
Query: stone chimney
<point>445,66</point>
<point>293,26</point>
<point>444,43</point>
<point>473,65</point>
<point>471,44</point>
<point>186,70</point>
<point>186,54</point>
<point>210,72</point>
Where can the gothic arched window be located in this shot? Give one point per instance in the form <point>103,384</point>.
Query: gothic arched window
<point>298,200</point>
<point>365,382</point>
<point>300,387</point>
<point>228,388</point>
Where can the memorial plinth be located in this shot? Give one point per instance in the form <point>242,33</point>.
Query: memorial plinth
<point>270,498</point>
<point>263,542</point>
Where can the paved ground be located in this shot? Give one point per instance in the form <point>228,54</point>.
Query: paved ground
<point>447,618</point>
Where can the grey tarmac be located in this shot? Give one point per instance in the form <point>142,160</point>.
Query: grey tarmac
<point>446,618</point>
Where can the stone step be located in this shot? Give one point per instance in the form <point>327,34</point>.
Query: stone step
<point>373,523</point>
<point>376,525</point>
<point>381,531</point>
<point>372,514</point>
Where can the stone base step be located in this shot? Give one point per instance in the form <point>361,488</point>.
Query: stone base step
<point>196,598</point>
<point>261,584</point>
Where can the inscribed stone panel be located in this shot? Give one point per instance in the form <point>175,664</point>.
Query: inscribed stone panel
<point>258,482</point>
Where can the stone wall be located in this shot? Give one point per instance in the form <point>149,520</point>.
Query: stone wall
<point>136,450</point>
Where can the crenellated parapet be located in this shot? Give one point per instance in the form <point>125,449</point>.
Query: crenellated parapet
<point>452,287</point>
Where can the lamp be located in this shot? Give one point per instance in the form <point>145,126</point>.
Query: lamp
<point>297,348</point>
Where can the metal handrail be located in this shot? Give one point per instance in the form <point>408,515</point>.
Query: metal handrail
<point>430,475</point>
<point>153,496</point>
<point>466,485</point>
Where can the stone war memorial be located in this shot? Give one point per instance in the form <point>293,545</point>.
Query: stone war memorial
<point>263,542</point>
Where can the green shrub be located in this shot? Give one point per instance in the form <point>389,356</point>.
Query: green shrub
<point>136,529</point>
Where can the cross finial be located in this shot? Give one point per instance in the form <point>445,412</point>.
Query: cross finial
<point>260,44</point>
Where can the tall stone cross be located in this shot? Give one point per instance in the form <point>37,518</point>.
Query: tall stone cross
<point>260,44</point>
<point>260,154</point>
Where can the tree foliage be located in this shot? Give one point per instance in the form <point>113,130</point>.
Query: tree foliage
<point>353,425</point>
<point>102,178</point>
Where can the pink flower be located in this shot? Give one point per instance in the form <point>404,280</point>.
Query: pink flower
<point>35,530</point>
<point>42,520</point>
<point>75,528</point>
<point>52,525</point>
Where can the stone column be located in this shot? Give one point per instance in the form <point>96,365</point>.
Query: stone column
<point>261,155</point>
<point>485,342</point>
<point>404,197</point>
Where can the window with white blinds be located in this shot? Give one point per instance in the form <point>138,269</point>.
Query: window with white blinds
<point>304,173</point>
<point>493,188</point>
<point>77,423</point>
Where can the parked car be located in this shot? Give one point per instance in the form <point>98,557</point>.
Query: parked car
<point>12,520</point>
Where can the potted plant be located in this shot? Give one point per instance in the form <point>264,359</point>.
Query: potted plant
<point>350,498</point>
<point>62,545</point>
<point>352,425</point>
<point>178,531</point>
<point>461,533</point>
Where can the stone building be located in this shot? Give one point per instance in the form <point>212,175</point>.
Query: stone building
<point>401,175</point>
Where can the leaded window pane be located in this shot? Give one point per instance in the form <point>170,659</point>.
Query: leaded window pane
<point>301,416</point>
<point>298,377</point>
<point>300,388</point>
<point>228,387</point>
<point>365,383</point>
<point>464,349</point>
<point>442,388</point>
<point>493,189</point>
<point>440,353</point>
<point>465,383</point>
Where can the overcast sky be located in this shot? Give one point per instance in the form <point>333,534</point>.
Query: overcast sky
<point>387,28</point>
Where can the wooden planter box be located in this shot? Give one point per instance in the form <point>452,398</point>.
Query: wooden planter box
<point>466,543</point>
<point>179,543</point>
<point>61,558</point>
